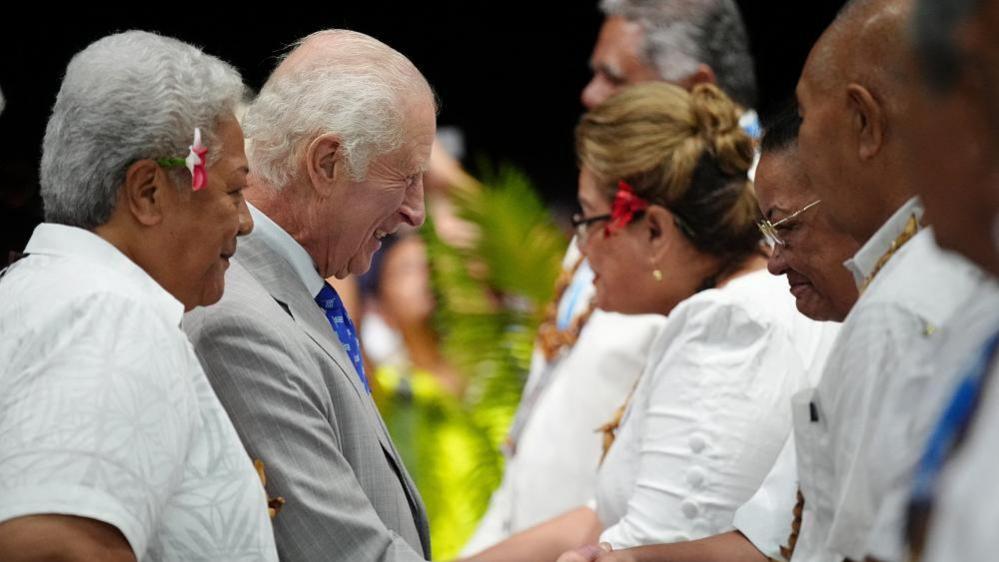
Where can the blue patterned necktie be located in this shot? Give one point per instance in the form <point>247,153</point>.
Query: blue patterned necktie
<point>336,314</point>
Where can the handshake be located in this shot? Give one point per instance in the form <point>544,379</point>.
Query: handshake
<point>594,553</point>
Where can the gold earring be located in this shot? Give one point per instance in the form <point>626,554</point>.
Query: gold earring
<point>657,275</point>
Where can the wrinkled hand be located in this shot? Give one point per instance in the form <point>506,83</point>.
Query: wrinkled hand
<point>274,505</point>
<point>587,553</point>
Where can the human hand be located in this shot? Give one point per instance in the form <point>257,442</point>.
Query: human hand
<point>588,553</point>
<point>444,172</point>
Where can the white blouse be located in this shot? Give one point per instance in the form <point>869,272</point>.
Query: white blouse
<point>553,466</point>
<point>710,413</point>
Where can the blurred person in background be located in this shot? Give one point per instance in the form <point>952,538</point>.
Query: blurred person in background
<point>951,497</point>
<point>418,392</point>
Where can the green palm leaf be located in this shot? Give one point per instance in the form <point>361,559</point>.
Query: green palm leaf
<point>491,299</point>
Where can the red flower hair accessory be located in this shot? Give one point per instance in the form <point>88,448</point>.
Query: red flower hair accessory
<point>626,205</point>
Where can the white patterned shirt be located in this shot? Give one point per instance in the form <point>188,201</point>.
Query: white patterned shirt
<point>914,294</point>
<point>964,518</point>
<point>913,405</point>
<point>106,413</point>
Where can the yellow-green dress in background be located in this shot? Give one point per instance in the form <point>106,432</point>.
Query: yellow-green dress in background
<point>453,463</point>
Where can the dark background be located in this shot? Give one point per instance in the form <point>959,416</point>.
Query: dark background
<point>508,74</point>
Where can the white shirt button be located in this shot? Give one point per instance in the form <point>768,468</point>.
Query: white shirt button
<point>689,509</point>
<point>695,477</point>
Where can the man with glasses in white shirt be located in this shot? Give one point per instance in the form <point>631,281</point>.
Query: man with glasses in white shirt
<point>909,288</point>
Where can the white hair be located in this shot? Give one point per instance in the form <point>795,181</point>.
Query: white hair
<point>358,91</point>
<point>680,35</point>
<point>127,97</point>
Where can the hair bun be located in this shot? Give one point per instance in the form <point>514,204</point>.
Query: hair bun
<point>717,122</point>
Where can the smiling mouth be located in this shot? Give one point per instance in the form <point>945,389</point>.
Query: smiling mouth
<point>799,287</point>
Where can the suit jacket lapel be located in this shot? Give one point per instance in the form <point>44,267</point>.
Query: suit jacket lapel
<point>315,324</point>
<point>278,278</point>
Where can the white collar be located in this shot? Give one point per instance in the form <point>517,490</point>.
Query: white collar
<point>71,242</point>
<point>862,264</point>
<point>277,239</point>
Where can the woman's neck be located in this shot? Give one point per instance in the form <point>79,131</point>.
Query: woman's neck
<point>750,264</point>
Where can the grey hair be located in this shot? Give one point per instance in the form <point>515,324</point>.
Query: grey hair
<point>3,102</point>
<point>127,97</point>
<point>359,92</point>
<point>933,26</point>
<point>682,34</point>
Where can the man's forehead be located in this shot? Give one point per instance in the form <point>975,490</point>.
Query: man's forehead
<point>413,157</point>
<point>619,40</point>
<point>807,79</point>
<point>781,184</point>
<point>825,64</point>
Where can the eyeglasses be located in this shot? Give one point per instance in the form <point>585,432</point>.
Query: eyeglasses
<point>770,229</point>
<point>582,223</point>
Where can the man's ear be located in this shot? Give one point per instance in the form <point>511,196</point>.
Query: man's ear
<point>867,120</point>
<point>703,75</point>
<point>324,162</point>
<point>145,191</point>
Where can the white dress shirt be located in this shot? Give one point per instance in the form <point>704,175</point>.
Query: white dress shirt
<point>553,464</point>
<point>966,513</point>
<point>709,415</point>
<point>913,404</point>
<point>914,293</point>
<point>288,248</point>
<point>106,413</point>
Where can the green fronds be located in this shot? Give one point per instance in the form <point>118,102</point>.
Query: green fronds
<point>491,299</point>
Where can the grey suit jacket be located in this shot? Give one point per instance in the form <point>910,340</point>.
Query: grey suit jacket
<point>300,407</point>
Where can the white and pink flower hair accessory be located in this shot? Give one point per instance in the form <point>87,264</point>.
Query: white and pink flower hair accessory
<point>195,162</point>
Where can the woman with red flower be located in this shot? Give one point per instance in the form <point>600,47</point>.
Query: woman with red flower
<point>669,227</point>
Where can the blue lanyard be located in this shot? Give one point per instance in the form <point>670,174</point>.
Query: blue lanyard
<point>582,279</point>
<point>952,425</point>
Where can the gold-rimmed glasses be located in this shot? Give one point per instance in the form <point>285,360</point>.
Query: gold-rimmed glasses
<point>770,229</point>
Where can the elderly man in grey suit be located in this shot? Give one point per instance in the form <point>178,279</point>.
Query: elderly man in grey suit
<point>339,139</point>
